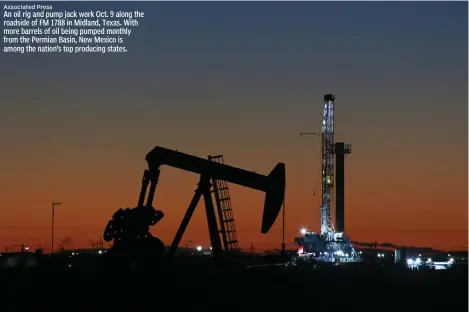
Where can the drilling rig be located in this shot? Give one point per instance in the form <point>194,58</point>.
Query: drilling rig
<point>331,244</point>
<point>129,229</point>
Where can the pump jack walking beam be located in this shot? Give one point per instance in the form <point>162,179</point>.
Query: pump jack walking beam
<point>272,184</point>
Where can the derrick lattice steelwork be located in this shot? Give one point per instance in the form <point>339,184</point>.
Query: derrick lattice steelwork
<point>327,167</point>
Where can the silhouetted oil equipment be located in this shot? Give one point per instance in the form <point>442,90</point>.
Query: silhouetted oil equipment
<point>129,228</point>
<point>341,149</point>
<point>225,210</point>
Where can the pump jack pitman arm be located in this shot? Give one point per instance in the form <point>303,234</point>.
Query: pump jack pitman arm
<point>273,184</point>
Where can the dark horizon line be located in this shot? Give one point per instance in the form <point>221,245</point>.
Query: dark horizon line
<point>353,229</point>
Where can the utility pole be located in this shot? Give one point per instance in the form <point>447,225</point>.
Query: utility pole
<point>53,216</point>
<point>283,228</point>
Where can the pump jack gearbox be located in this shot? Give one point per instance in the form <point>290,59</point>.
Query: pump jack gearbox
<point>130,228</point>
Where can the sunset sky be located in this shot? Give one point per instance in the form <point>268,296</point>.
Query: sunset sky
<point>243,80</point>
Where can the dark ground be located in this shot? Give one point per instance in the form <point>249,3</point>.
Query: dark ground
<point>203,286</point>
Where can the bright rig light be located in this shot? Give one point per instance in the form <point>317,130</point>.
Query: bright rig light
<point>303,231</point>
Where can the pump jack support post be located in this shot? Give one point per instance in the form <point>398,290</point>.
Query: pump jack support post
<point>214,232</point>
<point>202,189</point>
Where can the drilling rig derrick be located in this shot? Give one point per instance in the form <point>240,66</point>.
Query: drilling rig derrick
<point>330,244</point>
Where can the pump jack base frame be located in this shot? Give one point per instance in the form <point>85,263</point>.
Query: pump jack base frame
<point>203,189</point>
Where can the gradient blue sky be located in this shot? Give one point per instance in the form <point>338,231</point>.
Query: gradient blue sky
<point>76,128</point>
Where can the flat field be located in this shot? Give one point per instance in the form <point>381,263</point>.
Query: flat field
<point>203,286</point>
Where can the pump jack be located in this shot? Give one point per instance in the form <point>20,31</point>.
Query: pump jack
<point>129,228</point>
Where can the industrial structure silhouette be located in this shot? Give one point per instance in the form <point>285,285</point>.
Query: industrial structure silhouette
<point>129,229</point>
<point>136,255</point>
